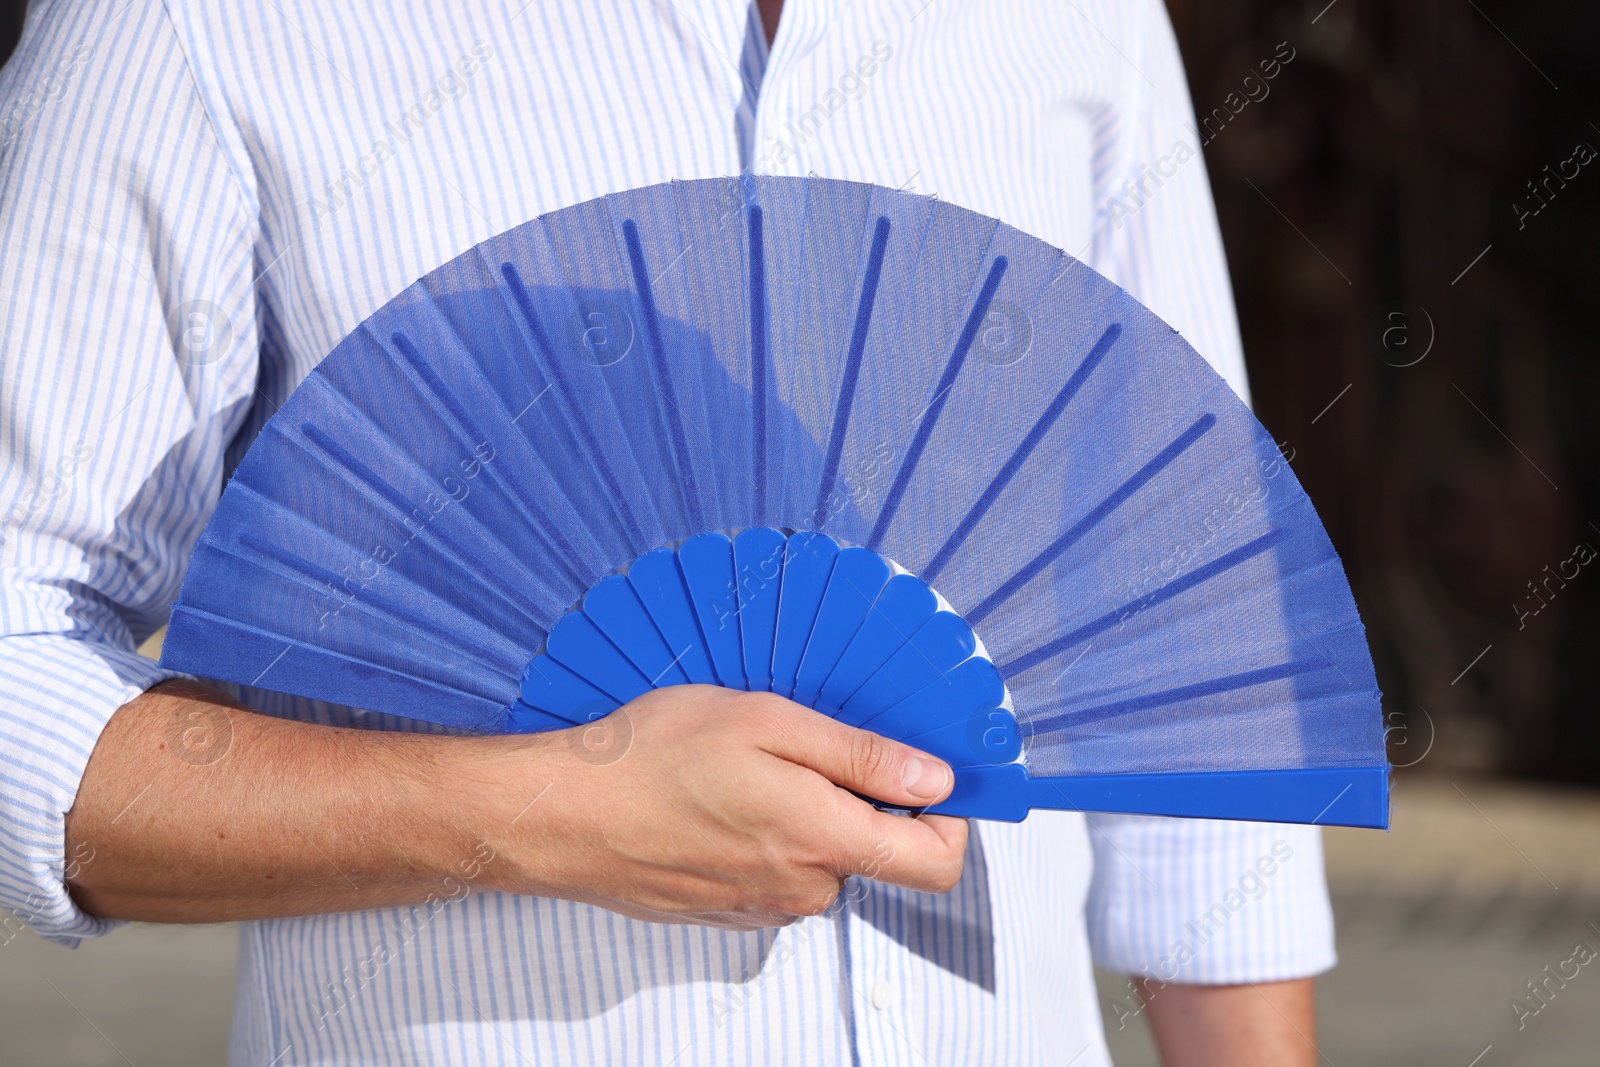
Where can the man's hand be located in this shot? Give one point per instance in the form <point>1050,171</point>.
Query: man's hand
<point>707,805</point>
<point>691,804</point>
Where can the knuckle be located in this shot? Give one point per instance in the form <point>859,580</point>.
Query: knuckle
<point>770,710</point>
<point>947,876</point>
<point>811,900</point>
<point>870,756</point>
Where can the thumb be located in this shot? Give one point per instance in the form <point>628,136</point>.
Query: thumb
<point>859,760</point>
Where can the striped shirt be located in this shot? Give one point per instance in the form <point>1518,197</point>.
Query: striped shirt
<point>199,199</point>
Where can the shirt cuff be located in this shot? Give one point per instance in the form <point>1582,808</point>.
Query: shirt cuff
<point>59,693</point>
<point>1209,902</point>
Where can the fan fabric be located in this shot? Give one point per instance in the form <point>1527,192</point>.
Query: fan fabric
<point>1172,624</point>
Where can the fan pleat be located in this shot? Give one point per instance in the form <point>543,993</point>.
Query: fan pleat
<point>738,432</point>
<point>936,404</point>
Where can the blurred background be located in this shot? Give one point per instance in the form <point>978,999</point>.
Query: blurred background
<point>1409,217</point>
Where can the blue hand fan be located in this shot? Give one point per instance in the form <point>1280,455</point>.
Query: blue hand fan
<point>889,458</point>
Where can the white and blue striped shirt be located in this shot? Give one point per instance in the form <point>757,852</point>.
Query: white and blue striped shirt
<point>199,198</point>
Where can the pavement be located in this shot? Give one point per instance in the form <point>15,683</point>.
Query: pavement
<point>1441,922</point>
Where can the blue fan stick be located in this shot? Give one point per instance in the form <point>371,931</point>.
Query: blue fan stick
<point>1159,595</point>
<point>552,697</point>
<point>941,395</point>
<point>659,584</point>
<point>707,562</point>
<point>521,718</point>
<point>859,574</point>
<point>1019,456</point>
<point>957,717</point>
<point>758,562</point>
<point>538,522</point>
<point>686,484</point>
<point>616,610</point>
<point>577,418</point>
<point>369,601</point>
<point>1097,514</point>
<point>938,646</point>
<point>985,737</point>
<point>476,671</point>
<point>852,371</point>
<point>758,361</point>
<point>245,652</point>
<point>900,610</point>
<point>1327,796</point>
<point>807,563</point>
<point>974,684</point>
<point>412,514</point>
<point>577,644</point>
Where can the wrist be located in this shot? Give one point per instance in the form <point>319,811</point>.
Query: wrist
<point>493,795</point>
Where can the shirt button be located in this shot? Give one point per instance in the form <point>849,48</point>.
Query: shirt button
<point>881,995</point>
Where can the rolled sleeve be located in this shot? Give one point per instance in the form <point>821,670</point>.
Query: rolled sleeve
<point>1189,900</point>
<point>128,356</point>
<point>1208,902</point>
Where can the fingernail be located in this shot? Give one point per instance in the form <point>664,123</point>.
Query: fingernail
<point>925,777</point>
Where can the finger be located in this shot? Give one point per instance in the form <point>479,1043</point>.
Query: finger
<point>858,760</point>
<point>925,854</point>
<point>952,830</point>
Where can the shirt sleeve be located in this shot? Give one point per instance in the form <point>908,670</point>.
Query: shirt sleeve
<point>128,357</point>
<point>1156,230</point>
<point>1190,900</point>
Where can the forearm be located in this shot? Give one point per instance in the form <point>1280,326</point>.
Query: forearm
<point>1267,1024</point>
<point>718,807</point>
<point>279,818</point>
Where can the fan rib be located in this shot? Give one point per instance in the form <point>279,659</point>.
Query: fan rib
<point>540,523</point>
<point>758,599</point>
<point>706,561</point>
<point>561,694</point>
<point>524,303</point>
<point>898,612</point>
<point>758,360</point>
<point>1096,515</point>
<point>806,571</point>
<point>1046,422</point>
<point>1166,592</point>
<point>941,394</point>
<point>616,610</point>
<point>587,651</point>
<point>368,667</point>
<point>669,394</point>
<point>1226,684</point>
<point>395,499</point>
<point>852,369</point>
<point>659,585</point>
<point>367,600</point>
